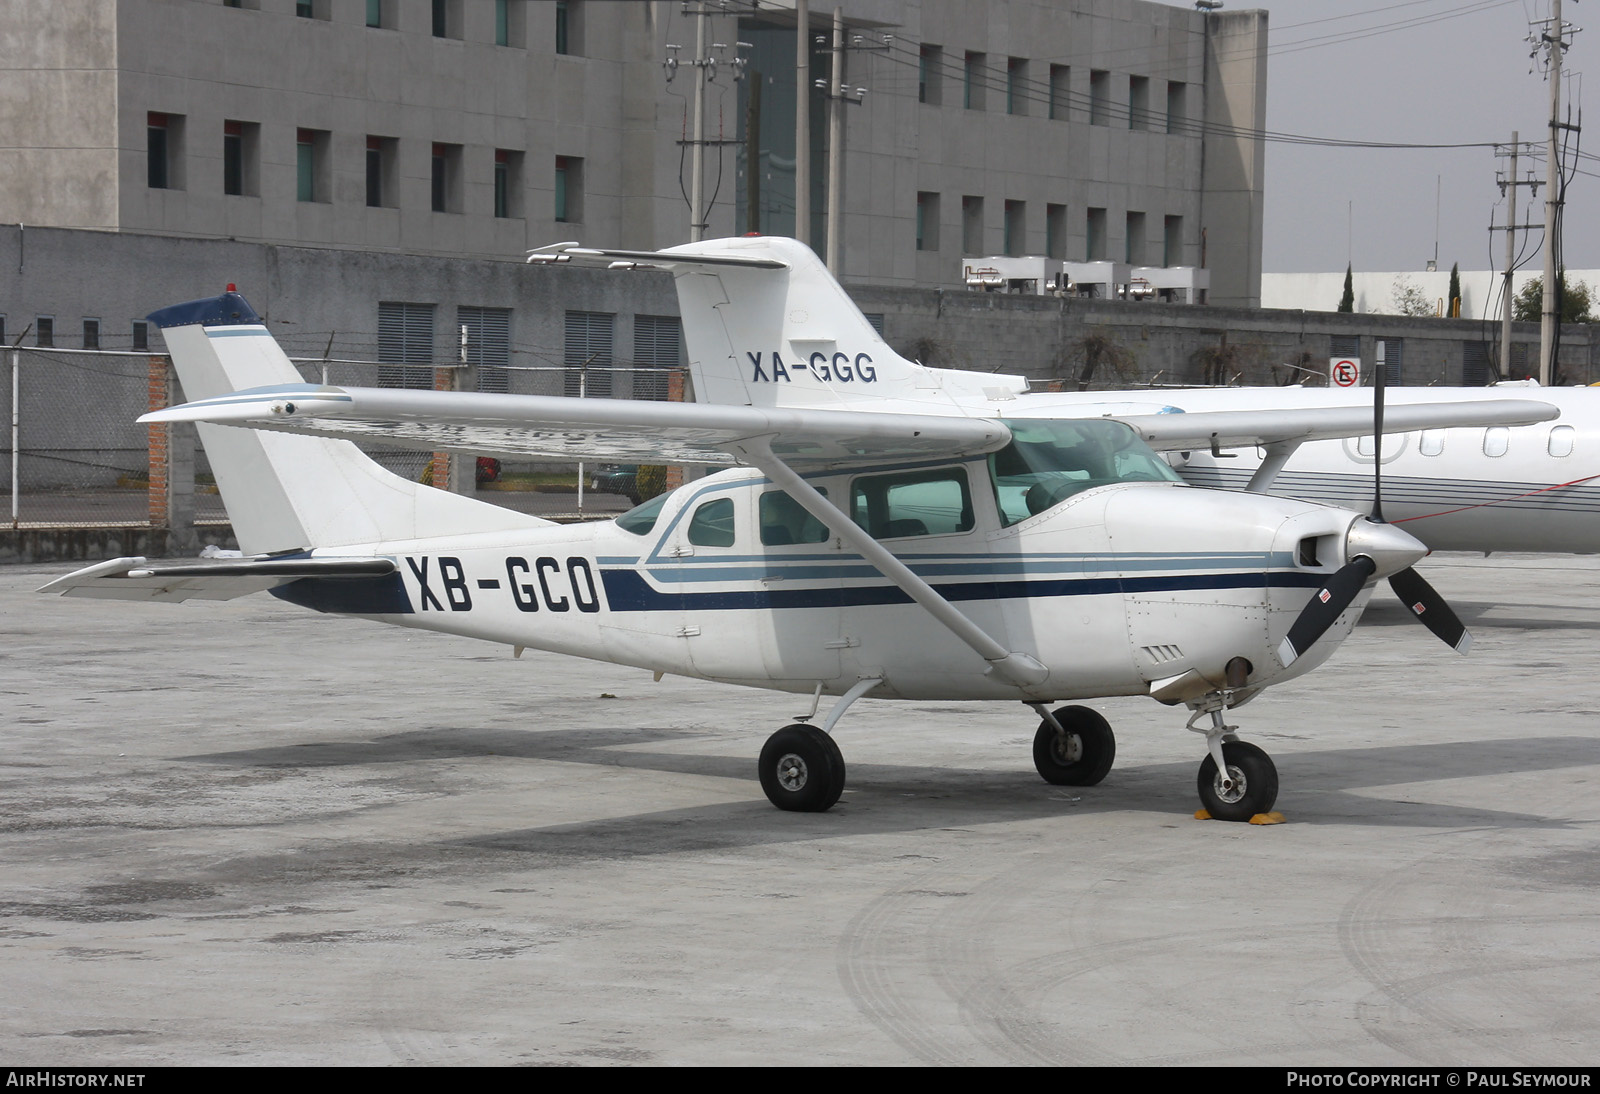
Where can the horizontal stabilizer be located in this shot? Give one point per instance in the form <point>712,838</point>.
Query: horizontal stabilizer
<point>610,429</point>
<point>176,580</point>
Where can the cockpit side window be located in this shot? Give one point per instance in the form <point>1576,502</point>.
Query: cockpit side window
<point>712,524</point>
<point>1049,460</point>
<point>784,520</point>
<point>913,503</point>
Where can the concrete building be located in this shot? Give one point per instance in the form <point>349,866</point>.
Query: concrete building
<point>1073,129</point>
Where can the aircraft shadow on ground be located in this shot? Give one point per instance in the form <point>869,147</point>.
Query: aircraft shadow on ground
<point>1323,786</point>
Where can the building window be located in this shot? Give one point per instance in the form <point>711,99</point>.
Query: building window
<point>1138,102</point>
<point>972,82</point>
<point>569,189</point>
<point>927,221</point>
<point>569,27</point>
<point>1060,88</point>
<point>91,334</point>
<point>1095,235</point>
<point>447,18</point>
<point>382,184</point>
<point>141,334</point>
<point>380,14</point>
<point>241,158</point>
<point>1017,85</point>
<point>1134,239</point>
<point>509,20</point>
<point>311,164</point>
<point>657,349</point>
<point>1099,97</point>
<point>405,345</point>
<point>507,183</point>
<point>446,178</point>
<point>164,151</point>
<point>487,345</point>
<point>1177,109</point>
<point>588,353</point>
<point>930,60</point>
<point>1055,231</point>
<point>1016,240</point>
<point>971,225</point>
<point>313,9</point>
<point>44,331</point>
<point>1172,243</point>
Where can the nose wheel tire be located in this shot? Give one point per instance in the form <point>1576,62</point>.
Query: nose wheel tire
<point>1081,756</point>
<point>1255,783</point>
<point>802,769</point>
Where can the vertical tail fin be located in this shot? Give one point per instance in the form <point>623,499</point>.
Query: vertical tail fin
<point>766,324</point>
<point>285,492</point>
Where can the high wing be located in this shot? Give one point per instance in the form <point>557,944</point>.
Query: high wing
<point>649,432</point>
<point>138,578</point>
<point>1232,428</point>
<point>620,430</point>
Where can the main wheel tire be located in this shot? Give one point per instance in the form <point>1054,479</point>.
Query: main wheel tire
<point>802,769</point>
<point>1083,756</point>
<point>1255,788</point>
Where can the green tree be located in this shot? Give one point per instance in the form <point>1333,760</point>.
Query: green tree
<point>1453,300</point>
<point>1408,299</point>
<point>1347,302</point>
<point>1576,299</point>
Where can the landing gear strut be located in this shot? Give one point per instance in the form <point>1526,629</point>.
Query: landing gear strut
<point>1237,780</point>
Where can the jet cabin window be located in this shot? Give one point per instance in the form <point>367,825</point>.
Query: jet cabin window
<point>913,503</point>
<point>1048,461</point>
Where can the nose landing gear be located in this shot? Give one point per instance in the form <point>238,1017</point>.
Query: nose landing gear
<point>1237,780</point>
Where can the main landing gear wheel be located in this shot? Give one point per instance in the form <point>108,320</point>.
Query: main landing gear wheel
<point>1255,783</point>
<point>1080,757</point>
<point>802,769</point>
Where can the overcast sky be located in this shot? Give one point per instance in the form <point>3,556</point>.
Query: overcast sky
<point>1353,70</point>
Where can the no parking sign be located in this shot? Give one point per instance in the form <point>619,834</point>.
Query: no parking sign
<point>1344,371</point>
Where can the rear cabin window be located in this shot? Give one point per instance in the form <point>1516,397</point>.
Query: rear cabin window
<point>913,503</point>
<point>1048,461</point>
<point>784,521</point>
<point>712,524</point>
<point>1561,440</point>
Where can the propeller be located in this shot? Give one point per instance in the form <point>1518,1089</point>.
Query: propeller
<point>1372,542</point>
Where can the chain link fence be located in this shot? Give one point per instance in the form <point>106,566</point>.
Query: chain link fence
<point>74,455</point>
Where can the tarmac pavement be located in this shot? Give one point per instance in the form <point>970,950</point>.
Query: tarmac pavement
<point>243,833</point>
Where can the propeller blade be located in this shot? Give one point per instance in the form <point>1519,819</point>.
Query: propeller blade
<point>1326,606</point>
<point>1429,607</point>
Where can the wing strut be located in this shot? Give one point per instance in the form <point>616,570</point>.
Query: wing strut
<point>1278,453</point>
<point>1013,667</point>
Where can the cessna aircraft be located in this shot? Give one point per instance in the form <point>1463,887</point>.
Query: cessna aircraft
<point>887,529</point>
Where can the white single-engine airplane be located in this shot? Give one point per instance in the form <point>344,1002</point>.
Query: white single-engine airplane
<point>893,531</point>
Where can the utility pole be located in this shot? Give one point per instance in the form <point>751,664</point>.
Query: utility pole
<point>1554,39</point>
<point>1508,186</point>
<point>1511,258</point>
<point>836,144</point>
<point>698,169</point>
<point>802,121</point>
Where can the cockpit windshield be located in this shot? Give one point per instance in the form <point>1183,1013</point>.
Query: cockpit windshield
<point>1050,460</point>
